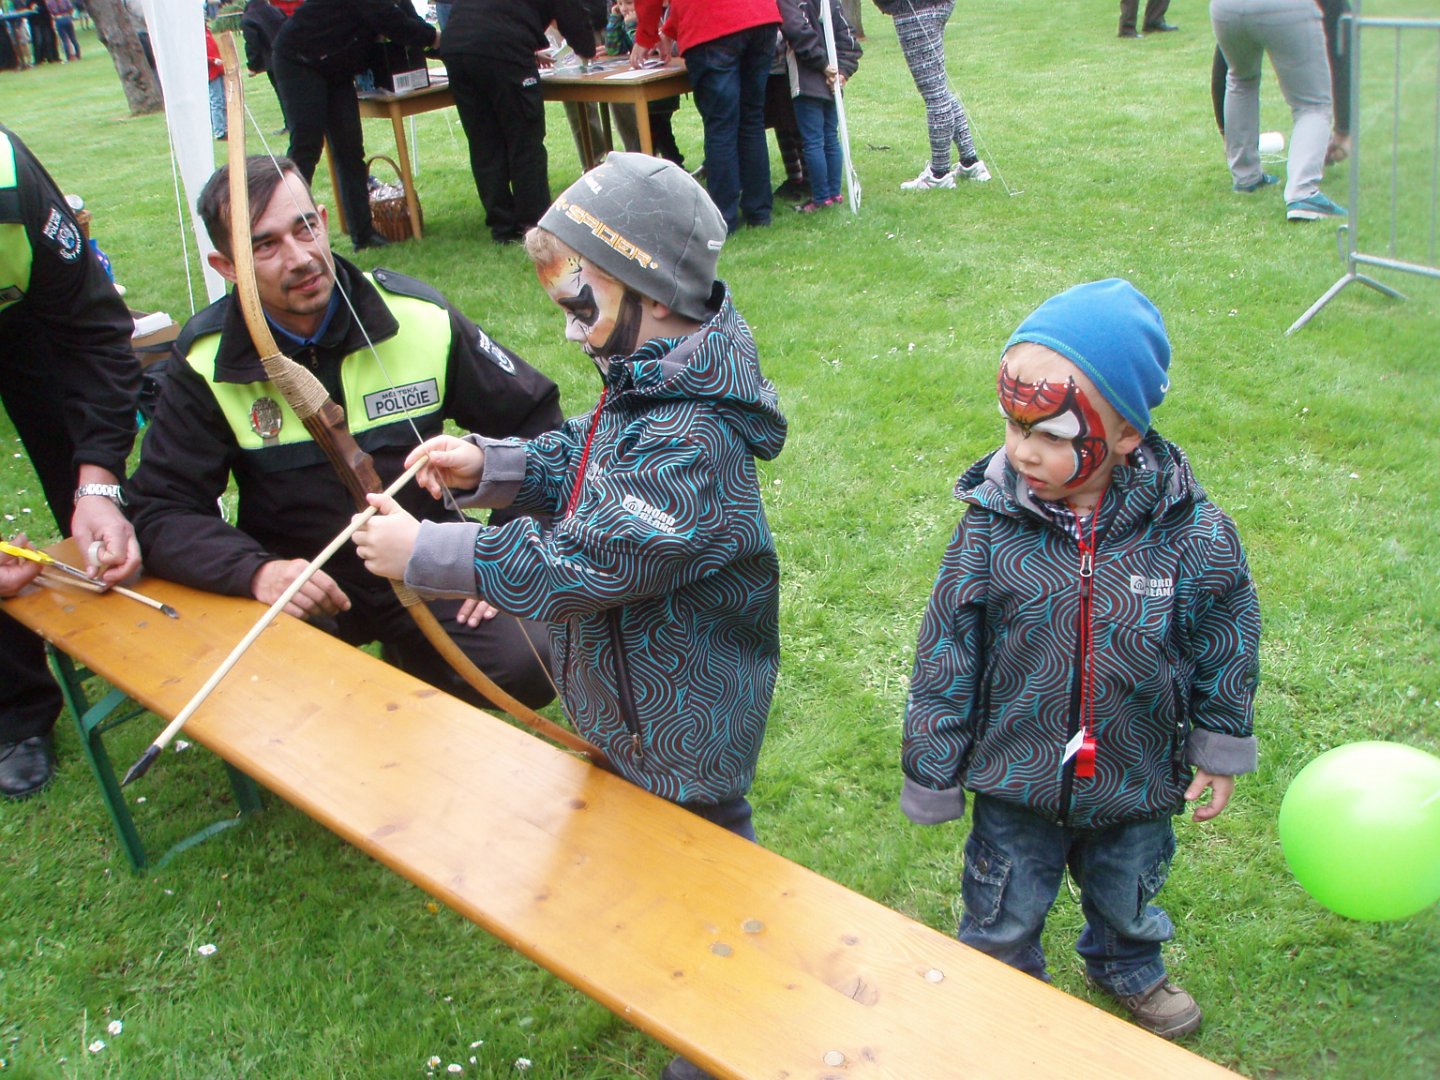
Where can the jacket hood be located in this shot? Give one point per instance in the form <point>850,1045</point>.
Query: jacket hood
<point>1154,482</point>
<point>719,364</point>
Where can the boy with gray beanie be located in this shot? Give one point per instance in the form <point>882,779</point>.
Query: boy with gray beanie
<point>1092,638</point>
<point>656,571</point>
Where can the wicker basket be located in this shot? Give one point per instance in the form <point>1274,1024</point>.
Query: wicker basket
<point>388,210</point>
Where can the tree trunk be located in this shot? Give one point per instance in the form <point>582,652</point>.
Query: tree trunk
<point>117,34</point>
<point>852,16</point>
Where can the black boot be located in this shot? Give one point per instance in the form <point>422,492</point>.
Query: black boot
<point>371,239</point>
<point>26,766</point>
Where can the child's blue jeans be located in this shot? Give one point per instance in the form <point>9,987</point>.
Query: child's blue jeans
<point>819,124</point>
<point>217,107</point>
<point>1014,861</point>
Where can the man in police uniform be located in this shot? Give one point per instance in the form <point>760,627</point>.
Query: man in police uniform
<point>69,383</point>
<point>402,360</point>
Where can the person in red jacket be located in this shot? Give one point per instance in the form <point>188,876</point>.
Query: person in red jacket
<point>215,72</point>
<point>728,47</point>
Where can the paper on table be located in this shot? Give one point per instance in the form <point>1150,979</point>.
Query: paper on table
<point>148,324</point>
<point>632,73</point>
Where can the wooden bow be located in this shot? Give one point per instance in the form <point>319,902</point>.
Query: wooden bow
<point>324,419</point>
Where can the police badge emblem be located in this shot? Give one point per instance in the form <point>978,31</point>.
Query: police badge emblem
<point>62,234</point>
<point>266,419</point>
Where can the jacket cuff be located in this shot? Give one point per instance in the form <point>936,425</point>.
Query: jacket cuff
<point>1223,755</point>
<point>443,562</point>
<point>926,806</point>
<point>502,474</point>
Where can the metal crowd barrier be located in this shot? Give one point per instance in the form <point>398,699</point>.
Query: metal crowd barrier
<point>1401,219</point>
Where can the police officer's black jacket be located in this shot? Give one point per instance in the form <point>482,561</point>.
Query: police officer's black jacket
<point>291,502</point>
<point>68,334</point>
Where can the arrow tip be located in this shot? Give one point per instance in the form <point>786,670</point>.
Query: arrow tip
<point>141,767</point>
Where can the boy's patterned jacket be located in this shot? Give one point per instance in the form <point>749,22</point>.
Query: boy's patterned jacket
<point>662,587</point>
<point>994,697</point>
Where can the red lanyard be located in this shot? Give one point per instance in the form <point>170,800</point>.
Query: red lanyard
<point>1085,756</point>
<point>585,454</point>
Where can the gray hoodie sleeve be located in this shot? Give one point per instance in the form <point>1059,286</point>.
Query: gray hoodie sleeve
<point>443,562</point>
<point>1221,754</point>
<point>503,472</point>
<point>925,806</point>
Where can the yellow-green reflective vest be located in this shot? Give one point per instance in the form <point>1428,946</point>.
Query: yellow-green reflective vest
<point>406,382</point>
<point>15,254</point>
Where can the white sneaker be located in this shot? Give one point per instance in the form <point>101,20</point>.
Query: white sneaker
<point>928,179</point>
<point>977,171</point>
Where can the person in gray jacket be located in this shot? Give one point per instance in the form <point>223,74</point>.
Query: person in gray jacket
<point>658,573</point>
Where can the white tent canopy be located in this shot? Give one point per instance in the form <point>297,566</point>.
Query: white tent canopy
<point>177,35</point>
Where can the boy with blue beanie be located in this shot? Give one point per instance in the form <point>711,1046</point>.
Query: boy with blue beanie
<point>1088,660</point>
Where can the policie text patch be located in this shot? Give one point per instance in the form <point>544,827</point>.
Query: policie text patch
<point>399,400</point>
<point>62,235</point>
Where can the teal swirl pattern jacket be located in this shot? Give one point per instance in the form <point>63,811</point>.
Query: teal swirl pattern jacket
<point>994,697</point>
<point>662,588</point>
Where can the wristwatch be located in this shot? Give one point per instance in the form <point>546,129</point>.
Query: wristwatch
<point>110,491</point>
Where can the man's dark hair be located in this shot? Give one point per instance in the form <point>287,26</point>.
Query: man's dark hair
<point>262,177</point>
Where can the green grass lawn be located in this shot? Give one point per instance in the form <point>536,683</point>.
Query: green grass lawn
<point>882,333</point>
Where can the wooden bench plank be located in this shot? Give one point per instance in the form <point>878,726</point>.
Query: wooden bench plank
<point>745,962</point>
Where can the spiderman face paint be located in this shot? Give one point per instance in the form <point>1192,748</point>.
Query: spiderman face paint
<point>601,314</point>
<point>1054,436</point>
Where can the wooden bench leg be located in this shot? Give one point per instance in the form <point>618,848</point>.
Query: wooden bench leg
<point>112,709</point>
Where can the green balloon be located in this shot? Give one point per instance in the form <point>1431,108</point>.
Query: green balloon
<point>1360,829</point>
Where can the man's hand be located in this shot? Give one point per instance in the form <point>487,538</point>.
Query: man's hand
<point>454,463</point>
<point>15,573</point>
<point>317,597</point>
<point>106,539</point>
<point>475,611</point>
<point>387,539</point>
<point>1220,789</point>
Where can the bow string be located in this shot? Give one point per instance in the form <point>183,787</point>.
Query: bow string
<point>324,419</point>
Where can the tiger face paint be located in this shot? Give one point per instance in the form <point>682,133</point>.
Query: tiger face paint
<point>602,316</point>
<point>1055,437</point>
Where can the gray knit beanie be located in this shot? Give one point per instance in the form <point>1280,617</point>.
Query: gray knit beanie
<point>648,224</point>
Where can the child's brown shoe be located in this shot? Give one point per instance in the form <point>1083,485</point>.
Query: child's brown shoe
<point>1165,1009</point>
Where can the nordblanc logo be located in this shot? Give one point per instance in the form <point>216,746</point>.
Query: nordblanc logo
<point>652,516</point>
<point>1141,585</point>
<point>497,354</point>
<point>399,400</point>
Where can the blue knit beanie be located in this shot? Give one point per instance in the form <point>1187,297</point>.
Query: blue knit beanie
<point>1113,333</point>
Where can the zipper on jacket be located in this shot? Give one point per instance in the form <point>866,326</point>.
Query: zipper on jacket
<point>1067,777</point>
<point>628,712</point>
<point>1081,695</point>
